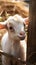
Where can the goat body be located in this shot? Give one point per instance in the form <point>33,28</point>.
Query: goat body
<point>12,44</point>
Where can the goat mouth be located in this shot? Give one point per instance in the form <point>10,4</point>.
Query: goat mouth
<point>22,37</point>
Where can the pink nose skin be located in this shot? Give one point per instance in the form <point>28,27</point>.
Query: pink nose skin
<point>21,35</point>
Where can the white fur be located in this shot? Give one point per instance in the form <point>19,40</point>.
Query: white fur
<point>11,44</point>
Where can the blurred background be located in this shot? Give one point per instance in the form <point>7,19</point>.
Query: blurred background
<point>15,0</point>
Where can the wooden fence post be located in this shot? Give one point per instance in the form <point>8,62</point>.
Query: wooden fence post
<point>31,41</point>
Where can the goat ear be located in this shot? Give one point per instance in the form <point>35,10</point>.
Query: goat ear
<point>26,21</point>
<point>3,25</point>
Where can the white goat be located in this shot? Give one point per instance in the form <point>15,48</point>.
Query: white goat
<point>13,41</point>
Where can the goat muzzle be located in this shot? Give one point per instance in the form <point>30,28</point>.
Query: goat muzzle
<point>21,35</point>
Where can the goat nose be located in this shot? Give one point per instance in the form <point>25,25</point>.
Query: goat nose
<point>22,33</point>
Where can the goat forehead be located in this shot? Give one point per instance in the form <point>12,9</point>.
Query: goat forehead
<point>15,23</point>
<point>12,21</point>
<point>15,19</point>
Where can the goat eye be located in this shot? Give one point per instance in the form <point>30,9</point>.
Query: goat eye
<point>11,28</point>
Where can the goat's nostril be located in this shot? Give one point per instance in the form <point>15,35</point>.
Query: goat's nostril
<point>22,33</point>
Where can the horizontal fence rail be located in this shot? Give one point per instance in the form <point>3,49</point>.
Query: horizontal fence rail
<point>11,56</point>
<point>18,59</point>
